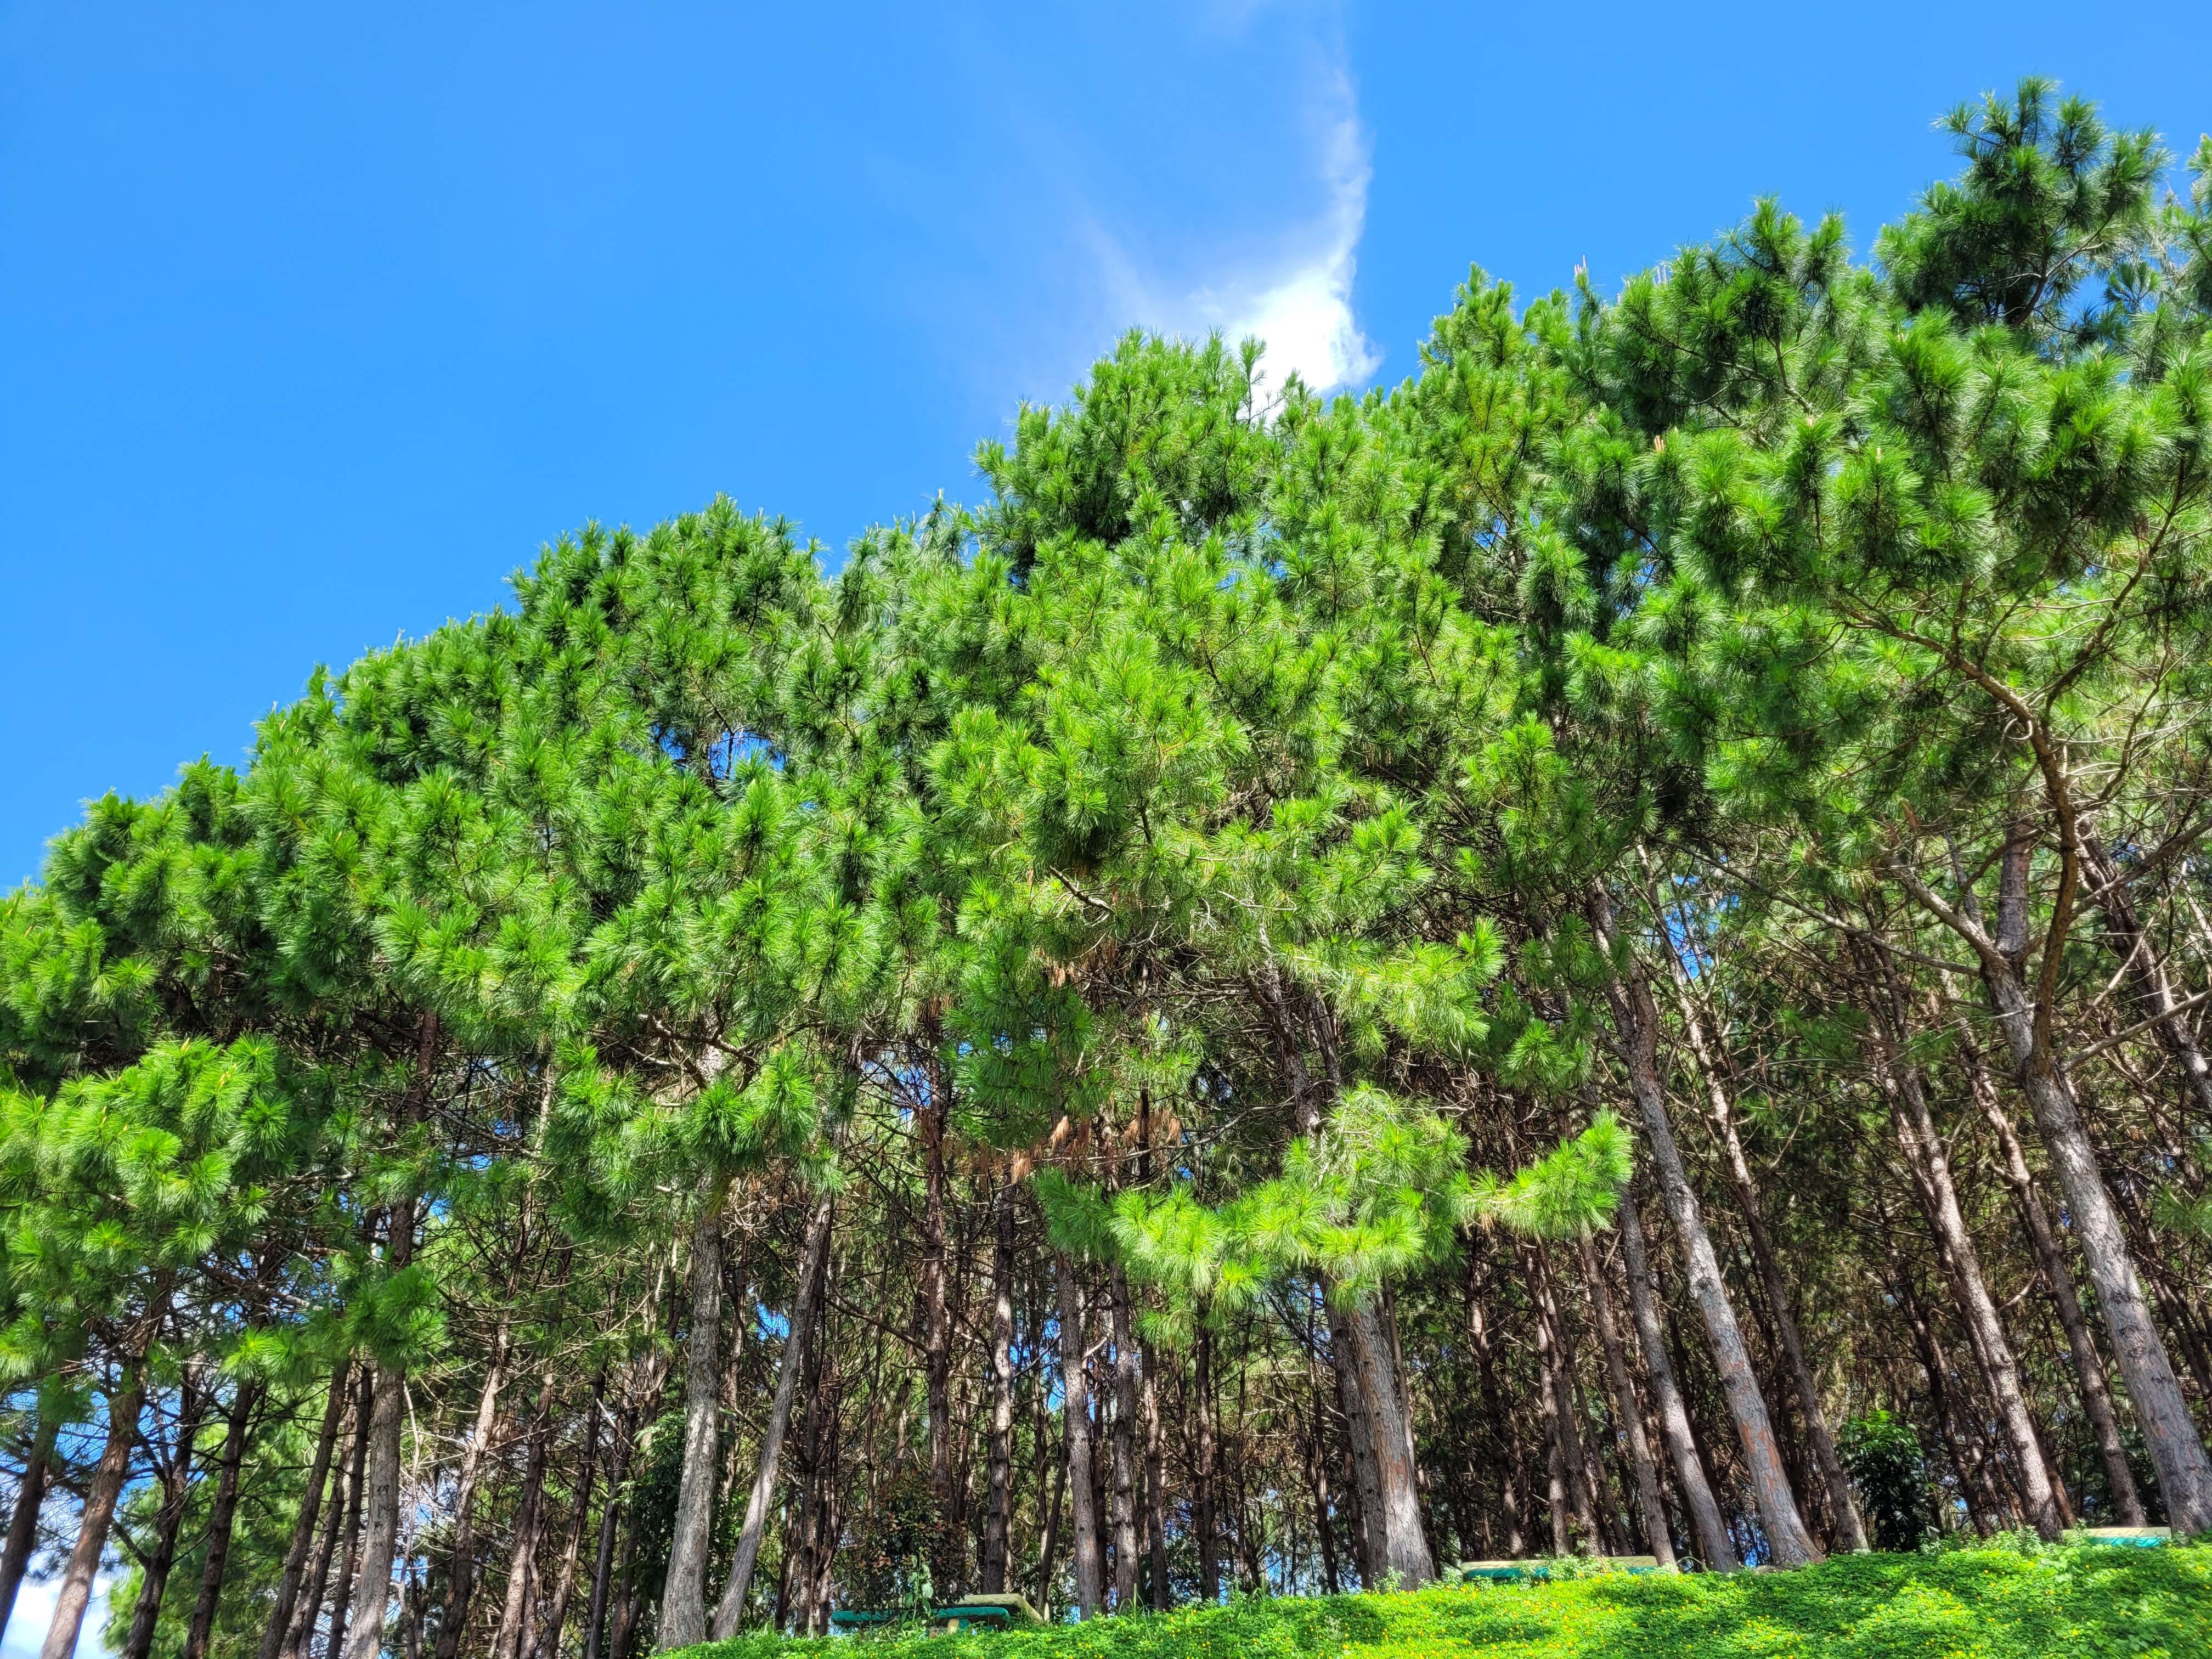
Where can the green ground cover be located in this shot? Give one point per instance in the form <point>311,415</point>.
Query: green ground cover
<point>1992,1603</point>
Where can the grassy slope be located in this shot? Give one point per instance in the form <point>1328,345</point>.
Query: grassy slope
<point>1970,1604</point>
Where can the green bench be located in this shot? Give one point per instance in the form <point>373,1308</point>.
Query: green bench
<point>965,1617</point>
<point>2131,1537</point>
<point>1530,1572</point>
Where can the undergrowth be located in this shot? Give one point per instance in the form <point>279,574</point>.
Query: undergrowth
<point>1984,1603</point>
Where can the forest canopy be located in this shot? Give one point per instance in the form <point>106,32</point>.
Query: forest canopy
<point>1601,952</point>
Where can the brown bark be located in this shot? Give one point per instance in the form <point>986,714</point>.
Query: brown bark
<point>2176,1450</point>
<point>103,1491</point>
<point>998,1515</point>
<point>461,1559</point>
<point>1124,1444</point>
<point>221,1512</point>
<point>1075,1388</point>
<point>813,1274</point>
<point>341,1523</point>
<point>512,1636</point>
<point>23,1525</point>
<point>1843,1501</point>
<point>1203,1473</point>
<point>279,1626</point>
<point>1635,1023</point>
<point>684,1596</point>
<point>1627,1411</point>
<point>176,1480</point>
<point>1155,1526</point>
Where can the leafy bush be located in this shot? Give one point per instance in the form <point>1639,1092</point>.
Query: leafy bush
<point>1988,1603</point>
<point>1886,1465</point>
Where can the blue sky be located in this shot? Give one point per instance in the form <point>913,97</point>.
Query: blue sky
<point>315,321</point>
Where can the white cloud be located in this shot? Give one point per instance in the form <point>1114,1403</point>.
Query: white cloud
<point>34,1612</point>
<point>1297,297</point>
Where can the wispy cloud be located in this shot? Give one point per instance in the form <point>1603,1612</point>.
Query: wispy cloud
<point>1297,296</point>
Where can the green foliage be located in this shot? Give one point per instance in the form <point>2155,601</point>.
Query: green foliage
<point>1883,1458</point>
<point>1987,1603</point>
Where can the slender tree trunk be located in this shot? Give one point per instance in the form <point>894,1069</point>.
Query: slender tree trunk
<point>1202,1477</point>
<point>364,1438</point>
<point>609,1518</point>
<point>1555,1454</point>
<point>683,1597</point>
<point>1510,1473</point>
<point>169,1520</point>
<point>1317,1465</point>
<point>341,1521</point>
<point>1842,1503</point>
<point>74,1593</point>
<point>933,1122</point>
<point>1049,1545</point>
<point>1711,1532</point>
<point>2176,1450</point>
<point>372,1588</point>
<point>461,1568</point>
<point>279,1627</point>
<point>1929,1161</point>
<point>1075,1417</point>
<point>546,1643</point>
<point>2058,1280</point>
<point>1626,1407</point>
<point>220,1515</point>
<point>512,1637</point>
<point>23,1525</point>
<point>1156,1524</point>
<point>1124,1444</point>
<point>1636,1021</point>
<point>813,1273</point>
<point>1570,1472</point>
<point>2147,970</point>
<point>998,1519</point>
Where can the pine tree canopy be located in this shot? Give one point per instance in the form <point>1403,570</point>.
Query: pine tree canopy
<point>1602,951</point>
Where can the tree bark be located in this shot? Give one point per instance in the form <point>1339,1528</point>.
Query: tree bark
<point>609,1516</point>
<point>1405,1560</point>
<point>2147,970</point>
<point>372,1586</point>
<point>1202,1476</point>
<point>1075,1413</point>
<point>176,1487</point>
<point>998,1518</point>
<point>1842,1503</point>
<point>222,1513</point>
<point>273,1634</point>
<point>1711,1532</point>
<point>461,1568</point>
<point>1929,1164</point>
<point>509,1641</point>
<point>683,1597</point>
<point>74,1593</point>
<point>1124,1450</point>
<point>340,1525</point>
<point>23,1525</point>
<point>1626,1408</point>
<point>1155,1522</point>
<point>1636,1022</point>
<point>546,1642</point>
<point>1366,1494</point>
<point>2176,1450</point>
<point>813,1272</point>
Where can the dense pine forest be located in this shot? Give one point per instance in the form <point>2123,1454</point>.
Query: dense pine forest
<point>1602,951</point>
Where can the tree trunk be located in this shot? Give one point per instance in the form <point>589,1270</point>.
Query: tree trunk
<point>341,1524</point>
<point>1365,1493</point>
<point>1929,1164</point>
<point>1626,1407</point>
<point>23,1525</point>
<point>176,1487</point>
<point>1510,1473</point>
<point>220,1515</point>
<point>1711,1532</point>
<point>2147,971</point>
<point>1075,1417</point>
<point>683,1597</point>
<point>1405,1560</point>
<point>461,1568</point>
<point>75,1594</point>
<point>2058,1280</point>
<point>813,1273</point>
<point>273,1633</point>
<point>371,1588</point>
<point>546,1643</point>
<point>1202,1477</point>
<point>1570,1473</point>
<point>933,1121</point>
<point>1156,1521</point>
<point>998,1519</point>
<point>1842,1503</point>
<point>609,1516</point>
<point>2177,1451</point>
<point>1124,1444</point>
<point>522,1552</point>
<point>1636,1022</point>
